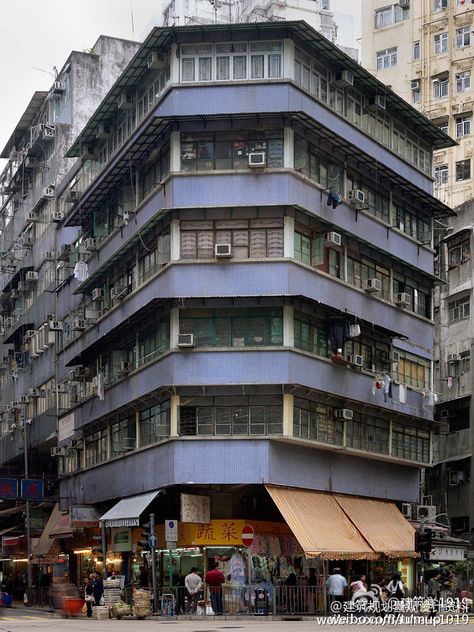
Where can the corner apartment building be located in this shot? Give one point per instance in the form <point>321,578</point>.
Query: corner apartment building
<point>30,235</point>
<point>250,318</point>
<point>423,50</point>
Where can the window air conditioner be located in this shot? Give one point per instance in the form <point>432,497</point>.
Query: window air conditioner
<point>103,131</point>
<point>73,195</point>
<point>373,285</point>
<point>59,87</point>
<point>26,241</point>
<point>343,78</point>
<point>97,294</point>
<point>49,255</point>
<point>402,299</point>
<point>427,513</point>
<point>48,192</point>
<point>65,252</point>
<point>404,4</point>
<point>455,478</point>
<point>36,392</point>
<point>48,131</point>
<point>356,196</point>
<point>89,153</point>
<point>124,367</point>
<point>32,217</point>
<point>344,413</point>
<point>32,275</point>
<point>357,360</point>
<point>157,61</point>
<point>91,243</point>
<point>118,292</point>
<point>24,399</point>
<point>125,101</point>
<point>257,159</point>
<point>59,451</point>
<point>55,325</point>
<point>415,84</point>
<point>79,324</point>
<point>333,238</point>
<point>222,251</point>
<point>14,293</point>
<point>377,102</point>
<point>407,510</point>
<point>56,217</point>
<point>186,340</point>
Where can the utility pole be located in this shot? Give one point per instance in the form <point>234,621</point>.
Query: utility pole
<point>153,561</point>
<point>27,514</point>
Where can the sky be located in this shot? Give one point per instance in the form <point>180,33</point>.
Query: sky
<point>36,35</point>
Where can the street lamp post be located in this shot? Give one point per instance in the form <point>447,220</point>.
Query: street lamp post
<point>27,512</point>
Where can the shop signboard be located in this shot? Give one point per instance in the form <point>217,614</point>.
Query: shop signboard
<point>8,488</point>
<point>447,554</point>
<point>32,489</point>
<point>171,530</point>
<point>195,508</point>
<point>121,540</point>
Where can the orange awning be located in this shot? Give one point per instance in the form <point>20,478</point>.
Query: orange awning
<point>382,525</point>
<point>320,525</point>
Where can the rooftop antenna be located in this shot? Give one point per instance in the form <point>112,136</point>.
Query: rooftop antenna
<point>131,18</point>
<point>48,72</point>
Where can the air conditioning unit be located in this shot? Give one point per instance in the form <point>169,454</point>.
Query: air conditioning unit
<point>48,131</point>
<point>15,404</point>
<point>377,102</point>
<point>373,285</point>
<point>118,292</point>
<point>59,87</point>
<point>56,217</point>
<point>24,399</point>
<point>157,61</point>
<point>415,84</point>
<point>103,131</point>
<point>48,192</point>
<point>79,324</point>
<point>36,392</point>
<point>344,413</point>
<point>426,513</point>
<point>404,4</point>
<point>79,372</point>
<point>455,478</point>
<point>32,217</point>
<point>59,451</point>
<point>95,382</point>
<point>26,241</point>
<point>357,360</point>
<point>91,243</point>
<point>402,299</point>
<point>124,367</point>
<point>32,275</point>
<point>333,238</point>
<point>394,356</point>
<point>73,195</point>
<point>89,153</point>
<point>222,251</point>
<point>55,325</point>
<point>49,255</point>
<point>257,159</point>
<point>125,101</point>
<point>356,196</point>
<point>14,293</point>
<point>342,78</point>
<point>97,294</point>
<point>407,510</point>
<point>186,340</point>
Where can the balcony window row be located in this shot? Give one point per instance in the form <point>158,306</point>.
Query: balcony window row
<point>463,172</point>
<point>459,309</point>
<point>459,363</point>
<point>230,150</point>
<point>231,61</point>
<point>314,77</point>
<point>392,14</point>
<point>459,249</point>
<point>462,82</point>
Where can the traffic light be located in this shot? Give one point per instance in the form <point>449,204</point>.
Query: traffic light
<point>423,541</point>
<point>144,540</point>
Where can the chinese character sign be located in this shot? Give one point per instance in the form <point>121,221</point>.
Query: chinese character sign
<point>8,488</point>
<point>32,489</point>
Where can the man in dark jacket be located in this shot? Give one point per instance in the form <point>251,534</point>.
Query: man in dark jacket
<point>97,588</point>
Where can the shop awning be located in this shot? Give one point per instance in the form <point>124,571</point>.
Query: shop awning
<point>382,524</point>
<point>62,528</point>
<point>45,542</point>
<point>320,525</point>
<point>126,513</point>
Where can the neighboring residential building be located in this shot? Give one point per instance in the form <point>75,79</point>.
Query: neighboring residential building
<point>422,50</point>
<point>253,267</point>
<point>30,236</point>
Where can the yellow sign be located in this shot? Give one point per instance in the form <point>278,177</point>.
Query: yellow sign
<point>221,532</point>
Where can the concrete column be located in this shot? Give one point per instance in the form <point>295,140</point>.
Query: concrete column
<point>289,58</point>
<point>109,443</point>
<point>288,148</point>
<point>175,152</point>
<point>390,438</point>
<point>288,326</point>
<point>174,327</point>
<point>174,64</point>
<point>288,404</point>
<point>174,240</point>
<point>137,428</point>
<point>289,237</point>
<point>174,415</point>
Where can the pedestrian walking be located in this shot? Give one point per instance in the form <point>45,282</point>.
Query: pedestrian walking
<point>97,588</point>
<point>214,579</point>
<point>88,594</point>
<point>193,585</point>
<point>336,585</point>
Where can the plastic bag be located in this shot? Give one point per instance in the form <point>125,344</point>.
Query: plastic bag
<point>84,607</point>
<point>102,601</point>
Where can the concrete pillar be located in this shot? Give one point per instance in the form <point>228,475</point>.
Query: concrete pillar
<point>174,64</point>
<point>289,237</point>
<point>289,58</point>
<point>109,442</point>
<point>390,437</point>
<point>288,148</point>
<point>288,326</point>
<point>288,404</point>
<point>174,327</point>
<point>137,429</point>
<point>175,152</point>
<point>174,240</point>
<point>174,415</point>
